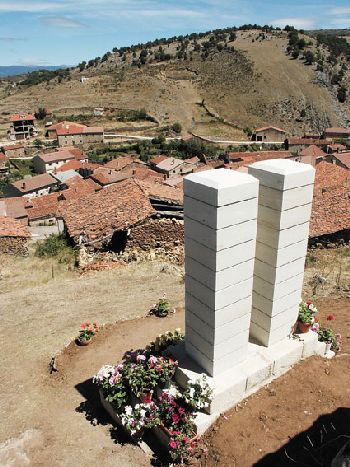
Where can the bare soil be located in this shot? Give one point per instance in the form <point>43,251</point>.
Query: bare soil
<point>55,419</point>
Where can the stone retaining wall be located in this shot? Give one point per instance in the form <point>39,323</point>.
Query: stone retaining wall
<point>14,246</point>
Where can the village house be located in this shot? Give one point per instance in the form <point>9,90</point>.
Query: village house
<point>14,236</point>
<point>119,163</point>
<point>38,185</point>
<point>341,159</point>
<point>105,177</point>
<point>48,163</point>
<point>71,134</point>
<point>15,208</point>
<point>64,176</point>
<point>336,132</point>
<point>296,144</point>
<point>311,155</point>
<point>172,166</point>
<point>82,168</point>
<point>332,148</point>
<point>4,164</point>
<point>21,126</point>
<point>42,210</point>
<point>269,134</point>
<point>13,151</point>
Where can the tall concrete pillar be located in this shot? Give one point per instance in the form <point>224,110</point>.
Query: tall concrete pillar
<point>220,208</point>
<point>285,202</point>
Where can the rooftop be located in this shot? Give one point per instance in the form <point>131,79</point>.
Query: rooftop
<point>169,163</point>
<point>264,128</point>
<point>331,204</point>
<point>63,154</point>
<point>66,175</point>
<point>13,207</point>
<point>18,117</point>
<point>338,130</point>
<point>12,228</point>
<point>161,191</point>
<point>312,151</point>
<point>42,207</point>
<point>26,185</point>
<point>98,215</point>
<point>344,158</point>
<point>105,176</point>
<point>119,163</point>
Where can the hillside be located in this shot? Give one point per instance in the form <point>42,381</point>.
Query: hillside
<point>246,79</point>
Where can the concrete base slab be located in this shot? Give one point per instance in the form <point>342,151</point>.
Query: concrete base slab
<point>261,366</point>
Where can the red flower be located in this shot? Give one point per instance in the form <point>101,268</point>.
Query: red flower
<point>84,325</point>
<point>309,302</point>
<point>181,410</point>
<point>173,444</point>
<point>330,317</point>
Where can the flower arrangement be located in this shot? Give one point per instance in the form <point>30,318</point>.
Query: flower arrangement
<point>87,331</point>
<point>165,340</point>
<point>170,416</point>
<point>198,393</point>
<point>326,334</point>
<point>142,416</point>
<point>111,380</point>
<point>307,312</point>
<point>161,309</point>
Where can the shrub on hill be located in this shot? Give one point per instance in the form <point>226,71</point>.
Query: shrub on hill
<point>55,246</point>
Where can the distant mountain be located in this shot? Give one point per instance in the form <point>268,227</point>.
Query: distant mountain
<point>14,70</point>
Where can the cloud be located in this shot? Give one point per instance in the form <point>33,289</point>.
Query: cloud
<point>30,6</point>
<point>31,61</point>
<point>11,39</point>
<point>62,22</point>
<point>339,11</point>
<point>299,23</point>
<point>341,22</point>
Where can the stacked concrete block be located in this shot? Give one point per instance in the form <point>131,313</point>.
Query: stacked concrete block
<point>220,208</point>
<point>285,202</point>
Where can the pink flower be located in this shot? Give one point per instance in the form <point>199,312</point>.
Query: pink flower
<point>175,418</point>
<point>140,358</point>
<point>181,410</point>
<point>173,444</point>
<point>330,317</point>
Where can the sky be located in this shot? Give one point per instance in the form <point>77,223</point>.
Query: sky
<point>65,32</point>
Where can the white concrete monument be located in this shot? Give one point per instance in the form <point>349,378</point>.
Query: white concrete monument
<point>244,270</point>
<point>220,210</point>
<point>285,202</point>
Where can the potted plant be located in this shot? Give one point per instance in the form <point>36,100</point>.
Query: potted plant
<point>142,378</point>
<point>306,317</point>
<point>86,333</point>
<point>113,389</point>
<point>161,309</point>
<point>332,340</point>
<point>163,341</point>
<point>138,418</point>
<point>198,393</point>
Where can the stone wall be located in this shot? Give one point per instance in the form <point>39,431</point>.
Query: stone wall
<point>162,238</point>
<point>14,246</point>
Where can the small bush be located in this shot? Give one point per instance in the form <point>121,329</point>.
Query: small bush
<point>55,246</point>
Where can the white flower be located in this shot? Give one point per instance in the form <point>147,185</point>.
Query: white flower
<point>142,413</point>
<point>128,410</point>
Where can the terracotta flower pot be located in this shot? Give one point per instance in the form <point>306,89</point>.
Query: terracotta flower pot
<point>304,327</point>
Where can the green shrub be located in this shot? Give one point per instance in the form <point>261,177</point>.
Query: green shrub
<point>55,246</point>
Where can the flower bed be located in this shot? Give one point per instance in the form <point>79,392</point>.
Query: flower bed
<point>140,394</point>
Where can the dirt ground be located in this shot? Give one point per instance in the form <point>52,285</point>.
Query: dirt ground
<point>56,419</point>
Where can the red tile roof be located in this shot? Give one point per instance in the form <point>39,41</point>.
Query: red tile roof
<point>13,207</point>
<point>12,147</point>
<point>337,130</point>
<point>63,154</point>
<point>108,176</point>
<point>344,158</point>
<point>307,141</point>
<point>331,204</point>
<point>312,151</point>
<point>79,188</point>
<point>161,191</point>
<point>12,228</point>
<point>264,128</point>
<point>98,215</point>
<point>157,159</point>
<point>42,207</point>
<point>119,163</point>
<point>21,116</point>
<point>27,185</point>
